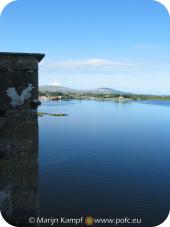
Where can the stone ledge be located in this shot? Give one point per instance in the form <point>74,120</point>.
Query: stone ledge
<point>10,62</point>
<point>38,56</point>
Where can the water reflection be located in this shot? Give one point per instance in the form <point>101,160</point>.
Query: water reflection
<point>105,159</point>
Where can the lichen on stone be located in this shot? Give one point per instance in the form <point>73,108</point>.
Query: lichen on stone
<point>16,99</point>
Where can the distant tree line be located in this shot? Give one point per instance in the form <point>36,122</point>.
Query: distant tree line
<point>101,96</point>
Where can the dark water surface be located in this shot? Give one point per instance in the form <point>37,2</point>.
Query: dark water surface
<point>105,159</point>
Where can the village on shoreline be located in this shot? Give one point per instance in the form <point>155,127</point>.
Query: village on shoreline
<point>55,96</point>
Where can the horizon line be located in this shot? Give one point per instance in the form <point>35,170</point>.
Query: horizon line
<point>128,92</point>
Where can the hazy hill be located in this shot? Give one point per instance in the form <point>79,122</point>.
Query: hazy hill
<point>107,91</point>
<point>66,90</point>
<point>51,88</point>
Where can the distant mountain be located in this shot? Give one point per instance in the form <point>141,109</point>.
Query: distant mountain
<point>108,91</point>
<point>51,88</point>
<point>66,90</point>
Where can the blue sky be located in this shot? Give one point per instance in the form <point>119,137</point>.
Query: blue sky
<point>120,44</point>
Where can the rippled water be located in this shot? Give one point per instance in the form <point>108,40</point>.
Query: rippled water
<point>105,159</point>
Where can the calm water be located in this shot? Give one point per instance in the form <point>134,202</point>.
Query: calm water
<point>105,160</point>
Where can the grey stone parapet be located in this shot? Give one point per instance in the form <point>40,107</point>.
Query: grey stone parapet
<point>19,80</point>
<point>19,141</point>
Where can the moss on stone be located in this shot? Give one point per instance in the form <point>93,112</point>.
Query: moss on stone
<point>41,114</point>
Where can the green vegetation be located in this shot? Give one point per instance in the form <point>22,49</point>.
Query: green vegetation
<point>98,96</point>
<point>55,95</point>
<point>40,114</point>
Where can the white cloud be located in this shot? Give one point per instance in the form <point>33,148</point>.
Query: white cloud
<point>55,83</point>
<point>145,46</point>
<point>83,66</point>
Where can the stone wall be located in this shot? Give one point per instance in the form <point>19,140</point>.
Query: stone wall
<point>19,137</point>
